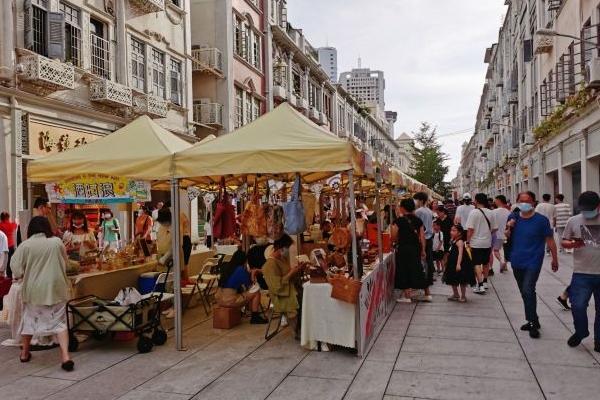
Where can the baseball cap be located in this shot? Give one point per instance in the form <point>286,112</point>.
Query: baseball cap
<point>588,201</point>
<point>467,196</point>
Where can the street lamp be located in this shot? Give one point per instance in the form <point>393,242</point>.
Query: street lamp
<point>551,32</point>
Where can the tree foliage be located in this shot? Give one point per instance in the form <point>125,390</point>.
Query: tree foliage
<point>429,161</point>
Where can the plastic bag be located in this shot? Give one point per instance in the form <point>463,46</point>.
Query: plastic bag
<point>128,296</point>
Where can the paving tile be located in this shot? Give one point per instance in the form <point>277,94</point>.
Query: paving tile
<point>564,382</point>
<point>387,346</point>
<point>457,332</point>
<point>371,381</point>
<point>31,388</point>
<point>450,320</point>
<point>303,388</point>
<point>147,395</point>
<point>462,348</point>
<point>450,387</point>
<point>557,352</point>
<point>328,365</point>
<point>484,367</point>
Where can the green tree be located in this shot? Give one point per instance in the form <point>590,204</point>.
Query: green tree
<point>429,161</point>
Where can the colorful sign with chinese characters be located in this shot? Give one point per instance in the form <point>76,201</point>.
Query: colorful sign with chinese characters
<point>83,189</point>
<point>47,139</point>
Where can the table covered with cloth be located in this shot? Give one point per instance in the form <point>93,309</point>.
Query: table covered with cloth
<point>325,319</point>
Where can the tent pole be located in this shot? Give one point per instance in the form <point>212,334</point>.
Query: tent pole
<point>352,207</point>
<point>176,262</point>
<point>379,224</point>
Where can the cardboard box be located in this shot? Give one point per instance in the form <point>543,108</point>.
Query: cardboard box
<point>226,317</point>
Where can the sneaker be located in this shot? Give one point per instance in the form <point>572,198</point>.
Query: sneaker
<point>403,300</point>
<point>284,321</point>
<point>425,299</point>
<point>529,325</point>
<point>534,332</point>
<point>479,290</point>
<point>563,302</point>
<point>574,341</point>
<point>485,286</point>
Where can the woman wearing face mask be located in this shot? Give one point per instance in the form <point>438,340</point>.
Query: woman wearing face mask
<point>279,276</point>
<point>110,231</point>
<point>79,238</point>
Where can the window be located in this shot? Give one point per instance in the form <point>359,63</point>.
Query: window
<point>100,50</point>
<point>138,65</point>
<point>239,107</point>
<point>158,73</point>
<point>255,108</point>
<point>256,50</point>
<point>312,95</point>
<point>247,42</point>
<point>237,34</point>
<point>297,84</point>
<point>176,86</point>
<point>248,109</point>
<point>72,17</point>
<point>36,23</point>
<point>176,2</point>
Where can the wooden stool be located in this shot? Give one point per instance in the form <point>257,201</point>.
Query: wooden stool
<point>226,317</point>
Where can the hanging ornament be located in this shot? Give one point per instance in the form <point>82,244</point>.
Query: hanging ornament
<point>335,182</point>
<point>193,193</point>
<point>208,199</point>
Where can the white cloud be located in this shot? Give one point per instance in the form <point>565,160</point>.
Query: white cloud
<point>431,52</point>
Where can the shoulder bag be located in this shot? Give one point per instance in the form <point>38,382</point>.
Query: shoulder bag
<point>293,211</point>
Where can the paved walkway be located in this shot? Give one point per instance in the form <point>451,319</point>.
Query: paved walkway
<point>440,350</point>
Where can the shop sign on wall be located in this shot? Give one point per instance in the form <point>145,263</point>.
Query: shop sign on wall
<point>98,189</point>
<point>47,139</point>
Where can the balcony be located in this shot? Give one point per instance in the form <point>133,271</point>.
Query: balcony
<point>543,44</point>
<point>208,114</point>
<point>208,60</point>
<point>294,100</point>
<point>323,120</point>
<point>110,93</point>
<point>314,114</point>
<point>149,6</point>
<point>50,74</point>
<point>150,105</point>
<point>279,92</point>
<point>301,103</point>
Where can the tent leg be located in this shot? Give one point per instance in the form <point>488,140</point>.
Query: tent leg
<point>352,206</point>
<point>176,262</point>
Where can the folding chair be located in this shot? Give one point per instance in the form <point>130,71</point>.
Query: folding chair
<point>166,280</point>
<point>200,287</point>
<point>273,315</point>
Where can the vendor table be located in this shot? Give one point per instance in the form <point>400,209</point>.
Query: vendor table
<point>332,321</point>
<point>106,284</point>
<point>227,249</point>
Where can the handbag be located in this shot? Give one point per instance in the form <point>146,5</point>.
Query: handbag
<point>345,289</point>
<point>274,221</point>
<point>293,211</point>
<point>224,219</point>
<point>341,238</point>
<point>253,220</point>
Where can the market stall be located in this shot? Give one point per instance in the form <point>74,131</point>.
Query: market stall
<point>140,151</point>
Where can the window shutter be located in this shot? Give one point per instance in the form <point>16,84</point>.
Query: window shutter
<point>28,16</point>
<point>283,23</point>
<point>528,50</point>
<point>56,35</point>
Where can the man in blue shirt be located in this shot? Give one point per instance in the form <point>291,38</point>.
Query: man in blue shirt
<point>529,233</point>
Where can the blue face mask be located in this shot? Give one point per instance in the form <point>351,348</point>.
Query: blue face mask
<point>525,207</point>
<point>590,214</point>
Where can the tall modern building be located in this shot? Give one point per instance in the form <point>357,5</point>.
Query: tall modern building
<point>366,85</point>
<point>328,61</point>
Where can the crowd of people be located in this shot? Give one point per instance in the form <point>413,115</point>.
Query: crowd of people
<point>459,243</point>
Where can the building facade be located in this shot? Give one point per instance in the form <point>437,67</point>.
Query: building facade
<point>328,60</point>
<point>73,71</point>
<point>538,123</point>
<point>366,85</point>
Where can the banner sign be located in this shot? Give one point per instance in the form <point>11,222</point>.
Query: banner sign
<point>89,189</point>
<point>376,301</point>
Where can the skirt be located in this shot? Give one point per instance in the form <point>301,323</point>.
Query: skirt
<point>410,273</point>
<point>44,320</point>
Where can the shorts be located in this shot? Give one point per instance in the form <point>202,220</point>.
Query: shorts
<point>438,255</point>
<point>481,256</point>
<point>498,243</point>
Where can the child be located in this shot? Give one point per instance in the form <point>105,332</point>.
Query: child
<point>459,271</point>
<point>438,246</point>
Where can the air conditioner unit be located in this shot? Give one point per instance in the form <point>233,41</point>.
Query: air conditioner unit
<point>592,73</point>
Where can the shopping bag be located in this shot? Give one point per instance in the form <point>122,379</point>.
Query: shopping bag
<point>128,296</point>
<point>254,220</point>
<point>224,219</point>
<point>293,211</point>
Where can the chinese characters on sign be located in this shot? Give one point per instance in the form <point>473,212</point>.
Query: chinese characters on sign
<point>47,139</point>
<point>98,189</point>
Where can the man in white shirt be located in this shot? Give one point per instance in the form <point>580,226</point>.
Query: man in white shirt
<point>155,225</point>
<point>548,210</point>
<point>480,226</point>
<point>463,211</point>
<point>500,214</point>
<point>562,213</point>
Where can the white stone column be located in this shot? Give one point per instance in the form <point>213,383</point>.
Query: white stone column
<point>7,44</point>
<point>584,162</point>
<point>121,57</point>
<point>16,181</point>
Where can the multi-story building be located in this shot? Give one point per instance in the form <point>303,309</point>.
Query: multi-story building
<point>229,55</point>
<point>538,123</point>
<point>405,160</point>
<point>72,71</point>
<point>366,85</point>
<point>328,60</point>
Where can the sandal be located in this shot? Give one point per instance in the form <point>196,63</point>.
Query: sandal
<point>453,298</point>
<point>462,300</point>
<point>26,359</point>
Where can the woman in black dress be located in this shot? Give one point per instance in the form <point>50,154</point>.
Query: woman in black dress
<point>408,232</point>
<point>459,271</point>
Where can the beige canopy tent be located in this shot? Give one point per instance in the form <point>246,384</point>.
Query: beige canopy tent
<point>141,150</point>
<point>280,142</point>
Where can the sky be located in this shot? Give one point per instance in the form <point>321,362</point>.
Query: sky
<point>430,50</point>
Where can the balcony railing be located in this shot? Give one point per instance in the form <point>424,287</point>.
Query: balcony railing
<point>51,74</point>
<point>100,56</point>
<point>208,113</point>
<point>208,60</point>
<point>150,105</point>
<point>149,6</point>
<point>110,93</point>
